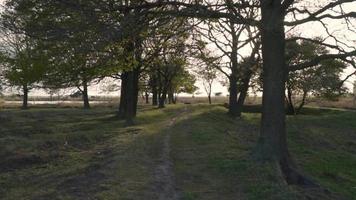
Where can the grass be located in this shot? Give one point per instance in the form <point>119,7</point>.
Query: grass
<point>325,147</point>
<point>68,153</point>
<point>73,153</point>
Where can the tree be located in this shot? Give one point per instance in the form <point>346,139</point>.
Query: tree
<point>275,16</point>
<point>273,139</point>
<point>207,71</point>
<point>322,80</point>
<point>230,39</point>
<point>23,65</point>
<point>172,78</point>
<point>184,83</point>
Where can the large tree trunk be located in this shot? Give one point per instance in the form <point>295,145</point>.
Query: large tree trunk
<point>85,95</point>
<point>272,143</point>
<point>129,96</point>
<point>130,83</point>
<point>233,97</point>
<point>25,97</point>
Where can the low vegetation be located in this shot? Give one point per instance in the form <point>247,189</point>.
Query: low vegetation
<point>63,153</point>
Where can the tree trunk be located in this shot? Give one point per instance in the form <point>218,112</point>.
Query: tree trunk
<point>147,97</point>
<point>130,83</point>
<point>136,77</point>
<point>209,98</point>
<point>129,96</point>
<point>85,95</point>
<point>272,143</point>
<point>153,84</point>
<point>162,99</point>
<point>234,74</point>
<point>154,96</point>
<point>25,97</point>
<point>290,105</point>
<point>123,95</point>
<point>171,98</point>
<point>301,105</point>
<point>233,97</point>
<point>243,93</point>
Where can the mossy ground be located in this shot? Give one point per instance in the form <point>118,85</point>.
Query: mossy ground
<point>70,153</point>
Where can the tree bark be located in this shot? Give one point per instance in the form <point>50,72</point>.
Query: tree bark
<point>272,144</point>
<point>85,95</point>
<point>290,105</point>
<point>171,98</point>
<point>136,77</point>
<point>25,97</point>
<point>243,92</point>
<point>162,99</point>
<point>302,103</point>
<point>129,96</point>
<point>154,89</point>
<point>123,95</point>
<point>147,97</point>
<point>130,83</point>
<point>234,74</point>
<point>233,97</point>
<point>154,96</point>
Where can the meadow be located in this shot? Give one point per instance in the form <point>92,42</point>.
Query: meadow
<point>195,149</point>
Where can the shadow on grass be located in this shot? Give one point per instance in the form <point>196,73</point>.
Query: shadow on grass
<point>212,160</point>
<point>71,153</point>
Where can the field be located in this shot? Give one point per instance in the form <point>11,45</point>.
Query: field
<point>187,152</point>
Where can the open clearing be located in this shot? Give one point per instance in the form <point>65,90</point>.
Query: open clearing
<point>187,152</point>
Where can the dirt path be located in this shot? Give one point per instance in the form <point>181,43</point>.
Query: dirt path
<point>164,178</point>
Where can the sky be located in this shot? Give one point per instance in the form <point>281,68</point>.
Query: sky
<point>310,29</point>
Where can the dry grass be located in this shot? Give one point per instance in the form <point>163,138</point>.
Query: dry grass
<point>344,102</point>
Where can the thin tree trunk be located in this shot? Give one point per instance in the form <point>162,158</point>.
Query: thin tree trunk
<point>301,105</point>
<point>153,84</point>
<point>171,98</point>
<point>85,95</point>
<point>123,95</point>
<point>243,93</point>
<point>290,105</point>
<point>233,97</point>
<point>25,97</point>
<point>209,98</point>
<point>234,74</point>
<point>147,97</point>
